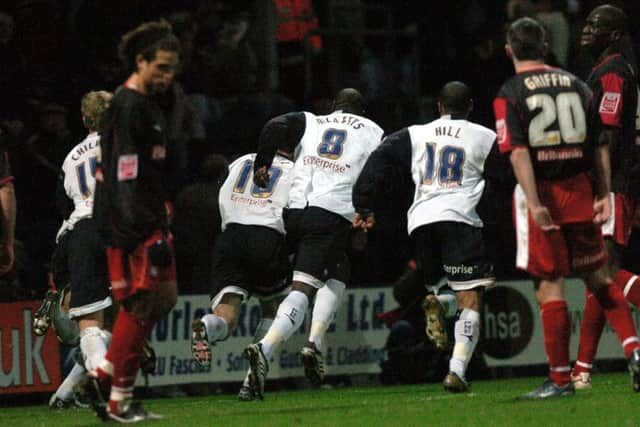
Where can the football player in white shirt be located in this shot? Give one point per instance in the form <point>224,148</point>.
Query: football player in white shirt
<point>80,255</point>
<point>445,160</point>
<point>333,150</point>
<point>253,234</point>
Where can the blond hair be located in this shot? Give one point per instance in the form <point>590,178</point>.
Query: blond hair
<point>93,106</point>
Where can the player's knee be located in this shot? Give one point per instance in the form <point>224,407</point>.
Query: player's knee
<point>470,299</point>
<point>306,289</point>
<point>596,279</point>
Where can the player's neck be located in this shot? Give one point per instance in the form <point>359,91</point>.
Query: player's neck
<point>134,83</point>
<point>527,65</point>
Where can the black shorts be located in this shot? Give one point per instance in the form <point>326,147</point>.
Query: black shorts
<point>293,225</point>
<point>250,259</point>
<point>456,249</point>
<point>87,264</point>
<point>323,243</point>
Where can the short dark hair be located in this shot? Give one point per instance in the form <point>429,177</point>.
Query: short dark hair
<point>455,97</point>
<point>526,37</point>
<point>612,18</point>
<point>349,100</point>
<point>146,40</point>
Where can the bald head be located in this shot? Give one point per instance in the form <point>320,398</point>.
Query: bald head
<point>455,99</point>
<point>349,100</point>
<point>605,32</point>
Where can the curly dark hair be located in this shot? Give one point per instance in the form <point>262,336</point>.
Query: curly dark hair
<point>146,40</point>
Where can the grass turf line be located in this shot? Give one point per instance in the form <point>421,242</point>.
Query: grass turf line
<point>491,403</point>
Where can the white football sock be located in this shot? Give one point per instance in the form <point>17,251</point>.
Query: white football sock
<point>261,331</point>
<point>77,374</point>
<point>93,343</point>
<point>467,333</point>
<point>449,304</point>
<point>288,319</point>
<point>246,382</point>
<point>324,310</point>
<point>217,327</point>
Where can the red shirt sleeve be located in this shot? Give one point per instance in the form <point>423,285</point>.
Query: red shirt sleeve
<point>610,105</point>
<point>509,134</point>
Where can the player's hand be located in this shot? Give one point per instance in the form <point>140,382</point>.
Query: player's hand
<point>364,221</point>
<point>601,209</point>
<point>7,258</point>
<point>261,177</point>
<point>543,219</point>
<point>160,254</point>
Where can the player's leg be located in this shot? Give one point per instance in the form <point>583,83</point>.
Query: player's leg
<point>268,308</point>
<point>90,294</point>
<point>469,272</point>
<point>466,334</point>
<point>217,325</point>
<point>310,264</point>
<point>145,298</point>
<point>324,310</point>
<point>546,257</point>
<point>589,258</point>
<point>324,231</point>
<point>428,272</point>
<point>626,208</point>
<point>64,396</point>
<point>591,327</point>
<point>617,313</point>
<point>616,232</point>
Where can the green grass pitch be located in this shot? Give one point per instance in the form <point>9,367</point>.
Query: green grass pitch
<point>491,403</point>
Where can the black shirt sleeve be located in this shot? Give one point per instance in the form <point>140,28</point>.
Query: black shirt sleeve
<point>282,131</point>
<point>388,169</point>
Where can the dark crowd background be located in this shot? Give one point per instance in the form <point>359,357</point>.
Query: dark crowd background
<point>244,62</point>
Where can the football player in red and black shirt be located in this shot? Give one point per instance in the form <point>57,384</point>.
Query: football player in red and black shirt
<point>130,207</point>
<point>615,91</point>
<point>542,119</point>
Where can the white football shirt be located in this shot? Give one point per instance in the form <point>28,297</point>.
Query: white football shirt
<point>447,162</point>
<point>243,202</point>
<point>79,168</point>
<point>334,149</point>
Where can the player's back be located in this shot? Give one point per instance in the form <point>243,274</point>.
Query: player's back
<point>79,168</point>
<point>335,148</point>
<point>243,202</point>
<point>547,110</point>
<point>447,158</point>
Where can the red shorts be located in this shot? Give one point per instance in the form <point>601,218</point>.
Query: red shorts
<point>578,246</point>
<point>131,273</point>
<point>619,225</point>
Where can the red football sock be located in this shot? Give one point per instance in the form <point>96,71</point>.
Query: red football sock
<point>124,352</point>
<point>593,321</point>
<point>630,286</point>
<point>557,331</point>
<point>619,317</point>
